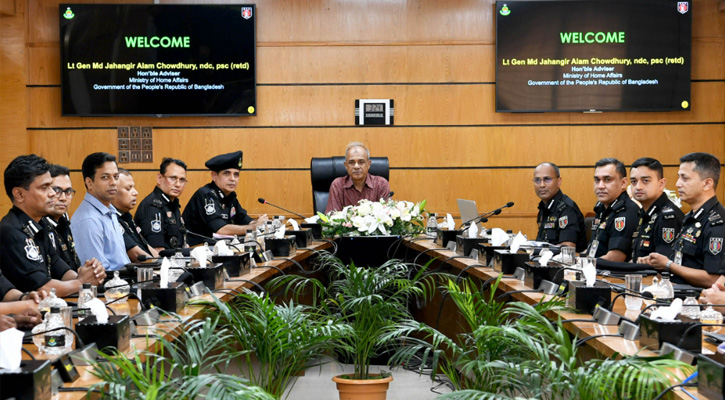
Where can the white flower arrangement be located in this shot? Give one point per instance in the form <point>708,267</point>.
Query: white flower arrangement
<point>373,218</point>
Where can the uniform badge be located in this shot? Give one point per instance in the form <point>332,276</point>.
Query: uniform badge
<point>563,221</point>
<point>668,234</point>
<point>715,245</point>
<point>619,223</point>
<point>209,207</point>
<point>549,225</point>
<point>52,239</point>
<point>156,223</point>
<point>232,212</point>
<point>32,252</point>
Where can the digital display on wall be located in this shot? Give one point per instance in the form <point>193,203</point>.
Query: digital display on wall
<point>158,60</point>
<point>593,55</point>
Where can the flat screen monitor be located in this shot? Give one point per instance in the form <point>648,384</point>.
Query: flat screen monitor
<point>593,55</point>
<point>158,60</point>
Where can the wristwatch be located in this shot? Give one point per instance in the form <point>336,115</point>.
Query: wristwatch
<point>667,266</point>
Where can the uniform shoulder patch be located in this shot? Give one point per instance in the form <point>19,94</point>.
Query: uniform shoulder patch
<point>715,245</point>
<point>563,222</point>
<point>668,234</point>
<point>620,223</point>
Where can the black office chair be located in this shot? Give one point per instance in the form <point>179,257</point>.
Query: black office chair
<point>324,170</point>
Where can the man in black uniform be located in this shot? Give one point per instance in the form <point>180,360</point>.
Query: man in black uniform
<point>28,259</point>
<point>57,223</point>
<point>560,221</point>
<point>214,208</point>
<point>124,201</point>
<point>698,258</point>
<point>616,214</point>
<point>659,219</point>
<point>159,214</point>
<point>21,308</point>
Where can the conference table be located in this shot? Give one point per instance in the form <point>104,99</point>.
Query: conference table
<point>596,347</point>
<point>606,346</point>
<point>141,342</point>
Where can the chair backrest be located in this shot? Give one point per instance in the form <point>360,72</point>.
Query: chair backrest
<point>588,222</point>
<point>326,169</point>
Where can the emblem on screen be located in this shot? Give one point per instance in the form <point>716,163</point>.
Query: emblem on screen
<point>683,6</point>
<point>68,14</point>
<point>246,12</point>
<point>505,10</point>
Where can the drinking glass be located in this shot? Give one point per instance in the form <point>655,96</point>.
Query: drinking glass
<point>634,285</point>
<point>567,255</point>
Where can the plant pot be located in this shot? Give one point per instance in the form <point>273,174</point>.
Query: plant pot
<point>362,389</point>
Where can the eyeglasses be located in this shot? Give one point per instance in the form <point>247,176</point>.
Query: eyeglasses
<point>547,180</point>
<point>70,192</point>
<point>359,162</point>
<point>173,179</point>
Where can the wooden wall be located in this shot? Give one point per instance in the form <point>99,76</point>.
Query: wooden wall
<point>435,58</point>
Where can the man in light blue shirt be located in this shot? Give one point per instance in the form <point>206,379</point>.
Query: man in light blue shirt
<point>95,223</point>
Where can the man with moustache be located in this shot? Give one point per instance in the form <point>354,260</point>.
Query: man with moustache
<point>358,184</point>
<point>659,219</point>
<point>698,258</point>
<point>29,260</point>
<point>58,222</point>
<point>616,214</point>
<point>214,208</point>
<point>559,219</point>
<point>159,214</point>
<point>95,223</point>
<point>124,202</point>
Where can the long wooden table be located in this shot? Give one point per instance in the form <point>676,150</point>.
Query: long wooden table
<point>262,273</point>
<point>603,346</point>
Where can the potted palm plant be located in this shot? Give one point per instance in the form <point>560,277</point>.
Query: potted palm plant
<point>514,351</point>
<point>189,367</point>
<point>281,340</point>
<point>370,301</point>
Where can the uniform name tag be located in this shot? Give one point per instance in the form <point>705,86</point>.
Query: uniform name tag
<point>593,248</point>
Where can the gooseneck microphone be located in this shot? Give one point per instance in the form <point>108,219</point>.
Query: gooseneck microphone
<point>263,201</point>
<point>484,217</point>
<point>185,231</point>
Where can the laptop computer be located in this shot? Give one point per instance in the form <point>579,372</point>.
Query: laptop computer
<point>468,209</point>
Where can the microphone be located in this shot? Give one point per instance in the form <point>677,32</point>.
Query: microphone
<point>263,201</point>
<point>389,195</point>
<point>484,217</point>
<point>168,253</point>
<point>144,257</point>
<point>208,239</point>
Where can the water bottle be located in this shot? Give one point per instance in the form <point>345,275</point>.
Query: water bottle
<point>177,262</point>
<point>711,316</point>
<point>56,342</point>
<point>51,301</point>
<point>665,292</point>
<point>269,229</point>
<point>277,223</point>
<point>84,297</point>
<point>248,239</point>
<point>691,308</point>
<point>432,225</point>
